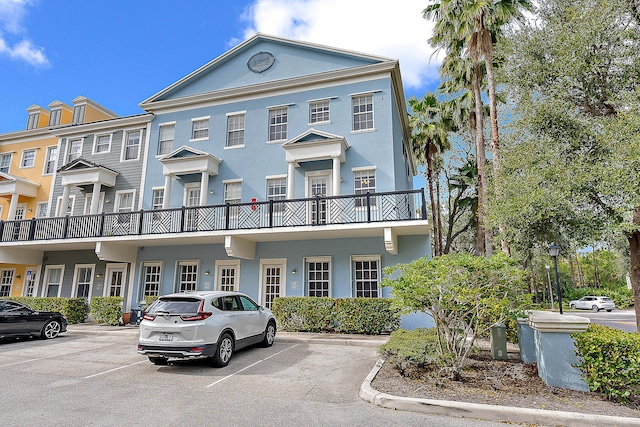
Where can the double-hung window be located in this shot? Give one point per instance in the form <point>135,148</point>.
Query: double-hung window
<point>200,128</point>
<point>362,107</point>
<point>158,198</point>
<point>102,144</point>
<point>125,201</point>
<point>54,118</point>
<point>278,119</point>
<point>32,122</point>
<point>78,114</point>
<point>319,112</point>
<point>42,210</point>
<point>5,162</point>
<point>28,159</point>
<point>232,196</point>
<point>167,135</point>
<point>132,145</point>
<point>277,190</point>
<point>75,149</point>
<point>364,181</point>
<point>50,160</point>
<point>235,130</point>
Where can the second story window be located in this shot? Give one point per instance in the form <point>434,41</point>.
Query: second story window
<point>235,130</point>
<point>103,144</point>
<point>364,181</point>
<point>362,107</point>
<point>5,162</point>
<point>125,201</point>
<point>158,198</point>
<point>131,145</point>
<point>277,190</point>
<point>78,114</point>
<point>75,149</point>
<point>32,122</point>
<point>319,112</point>
<point>278,124</point>
<point>50,160</point>
<point>28,159</point>
<point>54,118</point>
<point>233,192</point>
<point>167,134</point>
<point>200,128</point>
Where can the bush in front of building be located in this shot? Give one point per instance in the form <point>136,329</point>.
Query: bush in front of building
<point>610,362</point>
<point>106,310</point>
<point>344,315</point>
<point>75,310</point>
<point>409,352</point>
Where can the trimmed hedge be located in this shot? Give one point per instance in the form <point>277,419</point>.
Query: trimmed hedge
<point>610,361</point>
<point>107,310</point>
<point>75,310</point>
<point>371,316</point>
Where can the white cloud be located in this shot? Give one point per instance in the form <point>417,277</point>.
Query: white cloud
<point>12,13</point>
<point>393,29</point>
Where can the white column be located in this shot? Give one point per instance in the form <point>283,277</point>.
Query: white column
<point>167,192</point>
<point>95,198</point>
<point>204,186</point>
<point>336,176</point>
<point>291,185</point>
<point>64,204</point>
<point>13,206</point>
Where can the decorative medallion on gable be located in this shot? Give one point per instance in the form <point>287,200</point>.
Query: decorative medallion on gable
<point>261,61</point>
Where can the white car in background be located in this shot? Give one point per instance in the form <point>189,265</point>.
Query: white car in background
<point>211,324</point>
<point>593,303</point>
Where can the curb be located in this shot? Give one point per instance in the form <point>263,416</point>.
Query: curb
<point>485,411</point>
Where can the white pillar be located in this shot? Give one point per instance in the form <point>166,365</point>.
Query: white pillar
<point>204,186</point>
<point>95,198</point>
<point>167,192</point>
<point>291,185</point>
<point>13,206</point>
<point>336,176</point>
<point>64,204</point>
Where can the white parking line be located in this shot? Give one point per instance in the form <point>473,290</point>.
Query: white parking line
<point>114,369</point>
<point>36,359</point>
<point>253,364</point>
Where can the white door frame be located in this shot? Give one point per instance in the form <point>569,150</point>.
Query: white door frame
<point>282,263</point>
<point>111,267</point>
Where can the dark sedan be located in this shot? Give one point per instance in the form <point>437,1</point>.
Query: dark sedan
<point>18,320</point>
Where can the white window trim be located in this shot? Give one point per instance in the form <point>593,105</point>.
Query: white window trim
<point>77,267</point>
<point>46,160</point>
<point>68,148</point>
<point>277,107</point>
<point>196,119</point>
<point>45,281</point>
<point>236,113</point>
<point>1,207</point>
<point>316,101</point>
<point>38,209</point>
<point>116,206</point>
<point>283,284</point>
<point>363,168</point>
<point>35,156</point>
<point>328,173</point>
<point>72,205</point>
<point>160,131</point>
<point>227,263</point>
<point>359,95</point>
<point>125,136</point>
<point>352,271</point>
<point>188,187</point>
<point>181,262</point>
<point>87,203</point>
<point>95,143</point>
<point>143,265</point>
<point>107,273</point>
<point>13,279</point>
<point>10,154</point>
<point>317,259</point>
<point>154,189</point>
<point>35,270</point>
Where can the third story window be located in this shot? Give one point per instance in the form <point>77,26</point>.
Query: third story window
<point>200,129</point>
<point>362,107</point>
<point>167,132</point>
<point>103,144</point>
<point>75,149</point>
<point>132,145</point>
<point>5,162</point>
<point>278,124</point>
<point>28,159</point>
<point>50,160</point>
<point>235,130</point>
<point>319,112</point>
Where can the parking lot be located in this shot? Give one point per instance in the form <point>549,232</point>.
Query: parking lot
<point>100,380</point>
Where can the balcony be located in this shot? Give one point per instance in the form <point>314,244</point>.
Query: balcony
<point>317,211</point>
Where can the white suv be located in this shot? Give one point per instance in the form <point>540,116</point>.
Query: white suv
<point>211,324</point>
<point>595,303</point>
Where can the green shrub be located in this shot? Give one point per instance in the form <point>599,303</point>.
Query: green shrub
<point>75,310</point>
<point>408,351</point>
<point>610,361</point>
<point>345,315</point>
<point>106,310</point>
<point>150,299</point>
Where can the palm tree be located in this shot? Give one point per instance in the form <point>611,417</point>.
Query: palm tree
<point>430,122</point>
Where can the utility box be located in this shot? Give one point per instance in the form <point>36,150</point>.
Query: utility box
<point>499,341</point>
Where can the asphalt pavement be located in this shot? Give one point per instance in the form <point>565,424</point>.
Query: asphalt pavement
<point>427,406</point>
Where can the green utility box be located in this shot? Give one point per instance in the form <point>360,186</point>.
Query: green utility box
<point>499,341</point>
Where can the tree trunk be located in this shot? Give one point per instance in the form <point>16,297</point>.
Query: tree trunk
<point>434,223</point>
<point>482,168</point>
<point>440,241</point>
<point>634,250</point>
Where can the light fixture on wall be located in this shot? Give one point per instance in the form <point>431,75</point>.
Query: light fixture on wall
<point>99,275</point>
<point>294,271</point>
<point>29,210</point>
<point>211,191</point>
<point>18,276</point>
<point>206,273</point>
<point>108,201</point>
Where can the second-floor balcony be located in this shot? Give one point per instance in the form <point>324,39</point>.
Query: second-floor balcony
<point>255,215</point>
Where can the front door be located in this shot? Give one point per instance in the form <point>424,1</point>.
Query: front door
<point>272,283</point>
<point>20,229</point>
<point>192,199</point>
<point>319,187</point>
<point>30,286</point>
<point>115,281</point>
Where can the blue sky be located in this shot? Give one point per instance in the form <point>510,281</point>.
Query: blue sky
<point>120,52</point>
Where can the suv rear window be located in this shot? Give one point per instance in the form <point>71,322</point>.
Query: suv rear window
<point>175,306</point>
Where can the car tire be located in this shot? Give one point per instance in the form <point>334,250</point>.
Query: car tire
<point>224,351</point>
<point>573,306</point>
<point>595,309</point>
<point>269,334</point>
<point>158,360</point>
<point>51,329</point>
<point>609,310</point>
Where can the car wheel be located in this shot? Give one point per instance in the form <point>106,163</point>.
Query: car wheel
<point>269,334</point>
<point>51,329</point>
<point>158,360</point>
<point>609,310</point>
<point>595,308</point>
<point>573,306</point>
<point>223,352</point>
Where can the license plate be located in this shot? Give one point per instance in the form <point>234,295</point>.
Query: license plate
<point>165,337</point>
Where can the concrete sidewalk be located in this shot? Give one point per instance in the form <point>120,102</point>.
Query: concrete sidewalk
<point>428,406</point>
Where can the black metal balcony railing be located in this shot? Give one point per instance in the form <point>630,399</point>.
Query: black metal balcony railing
<point>351,209</point>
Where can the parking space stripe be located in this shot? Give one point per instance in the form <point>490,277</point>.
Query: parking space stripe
<point>36,359</point>
<point>114,369</point>
<point>253,364</point>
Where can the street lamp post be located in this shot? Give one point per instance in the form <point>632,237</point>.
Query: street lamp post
<point>554,250</point>
<point>550,289</point>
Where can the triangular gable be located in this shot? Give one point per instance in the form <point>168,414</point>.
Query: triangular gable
<point>184,151</point>
<point>81,164</point>
<point>12,178</point>
<point>313,135</point>
<point>263,59</point>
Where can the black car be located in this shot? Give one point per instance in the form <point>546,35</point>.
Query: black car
<point>19,320</point>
